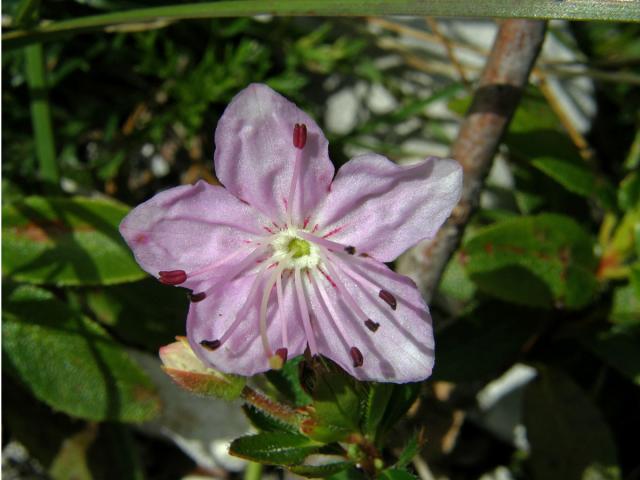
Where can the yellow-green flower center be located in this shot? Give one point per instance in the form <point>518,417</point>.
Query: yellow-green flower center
<point>299,247</point>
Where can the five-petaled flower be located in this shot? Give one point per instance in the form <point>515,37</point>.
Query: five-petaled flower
<point>286,257</point>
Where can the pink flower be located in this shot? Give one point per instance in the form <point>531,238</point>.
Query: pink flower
<point>287,257</point>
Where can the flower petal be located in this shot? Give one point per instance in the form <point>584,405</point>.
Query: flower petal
<point>191,228</point>
<point>383,209</point>
<point>255,156</point>
<point>243,353</point>
<point>400,348</point>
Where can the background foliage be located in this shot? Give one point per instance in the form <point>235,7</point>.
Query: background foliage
<point>547,278</point>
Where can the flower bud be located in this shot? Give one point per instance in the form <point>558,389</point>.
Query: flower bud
<point>189,372</point>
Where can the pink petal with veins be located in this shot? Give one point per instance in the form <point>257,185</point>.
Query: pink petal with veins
<point>383,208</point>
<point>254,158</point>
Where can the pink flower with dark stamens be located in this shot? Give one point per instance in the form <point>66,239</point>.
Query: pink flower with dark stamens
<point>286,257</point>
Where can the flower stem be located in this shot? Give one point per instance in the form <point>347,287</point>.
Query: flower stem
<point>253,471</point>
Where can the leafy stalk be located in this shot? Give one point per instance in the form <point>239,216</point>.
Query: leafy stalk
<point>41,116</point>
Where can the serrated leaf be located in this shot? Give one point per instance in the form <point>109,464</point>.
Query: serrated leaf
<point>274,448</point>
<point>567,433</point>
<point>59,241</point>
<point>267,423</point>
<point>319,470</point>
<point>540,261</point>
<point>375,405</point>
<point>70,363</point>
<point>410,450</point>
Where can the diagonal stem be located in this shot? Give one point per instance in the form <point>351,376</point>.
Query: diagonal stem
<point>505,75</point>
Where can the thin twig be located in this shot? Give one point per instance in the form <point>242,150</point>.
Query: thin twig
<point>433,25</point>
<point>499,90</point>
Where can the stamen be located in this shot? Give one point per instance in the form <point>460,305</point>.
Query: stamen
<point>196,297</point>
<point>240,316</point>
<point>356,356</point>
<point>388,298</point>
<point>371,325</point>
<point>173,277</point>
<point>211,345</point>
<point>304,312</point>
<point>299,135</point>
<point>328,244</point>
<point>283,323</point>
<point>299,141</point>
<point>279,359</point>
<point>321,294</point>
<point>249,261</point>
<point>343,291</point>
<point>277,272</point>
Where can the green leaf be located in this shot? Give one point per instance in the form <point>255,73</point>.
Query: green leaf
<point>625,310</point>
<point>60,241</point>
<point>287,382</point>
<point>396,474</point>
<point>567,433</point>
<point>575,177</point>
<point>403,396</point>
<point>539,261</point>
<point>322,470</point>
<point>70,363</point>
<point>267,423</point>
<point>145,313</point>
<point>375,406</point>
<point>618,349</point>
<point>629,191</point>
<point>274,448</point>
<point>336,402</point>
<point>463,355</point>
<point>409,451</point>
<point>71,461</point>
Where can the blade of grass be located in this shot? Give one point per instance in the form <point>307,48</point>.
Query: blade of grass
<point>612,10</point>
<point>41,117</point>
<point>26,13</point>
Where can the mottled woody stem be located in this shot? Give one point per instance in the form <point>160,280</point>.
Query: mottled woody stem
<point>512,57</point>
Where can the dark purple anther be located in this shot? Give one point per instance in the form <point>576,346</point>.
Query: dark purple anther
<point>210,344</point>
<point>389,298</point>
<point>196,297</point>
<point>356,356</point>
<point>173,277</point>
<point>350,250</point>
<point>299,135</point>
<point>371,325</point>
<point>283,354</point>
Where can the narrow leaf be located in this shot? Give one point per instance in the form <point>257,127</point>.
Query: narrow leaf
<point>275,448</point>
